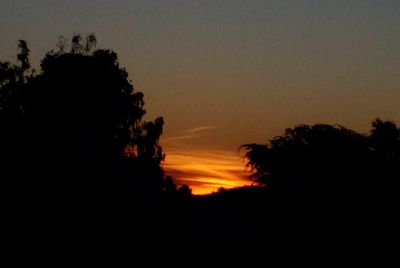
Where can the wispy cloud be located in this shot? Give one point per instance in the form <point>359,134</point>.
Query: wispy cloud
<point>198,129</point>
<point>188,134</point>
<point>206,170</point>
<point>181,137</point>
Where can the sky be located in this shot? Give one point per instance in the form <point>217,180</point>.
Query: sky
<point>224,73</point>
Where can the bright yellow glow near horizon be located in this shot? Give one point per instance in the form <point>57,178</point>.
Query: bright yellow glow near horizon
<point>206,170</point>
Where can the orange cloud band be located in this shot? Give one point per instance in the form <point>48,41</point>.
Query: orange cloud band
<point>206,171</point>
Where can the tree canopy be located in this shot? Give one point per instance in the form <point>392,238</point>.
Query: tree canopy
<point>77,123</point>
<point>334,150</point>
<point>327,166</point>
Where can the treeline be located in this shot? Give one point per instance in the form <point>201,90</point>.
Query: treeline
<point>76,152</point>
<point>331,173</point>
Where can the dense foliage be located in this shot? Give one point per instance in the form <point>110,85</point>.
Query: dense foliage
<point>77,124</point>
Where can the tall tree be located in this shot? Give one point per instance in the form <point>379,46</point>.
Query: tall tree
<point>70,126</point>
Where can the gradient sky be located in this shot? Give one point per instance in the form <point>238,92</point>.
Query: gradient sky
<point>224,73</point>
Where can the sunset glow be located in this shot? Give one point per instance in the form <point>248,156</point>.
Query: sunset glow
<point>191,128</point>
<point>206,171</point>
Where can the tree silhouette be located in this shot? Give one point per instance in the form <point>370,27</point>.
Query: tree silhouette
<point>329,169</point>
<point>385,139</point>
<point>184,191</point>
<point>169,185</point>
<point>77,126</point>
<point>303,150</point>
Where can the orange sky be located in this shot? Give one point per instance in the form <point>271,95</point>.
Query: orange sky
<point>206,170</point>
<point>226,73</point>
<point>203,169</point>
